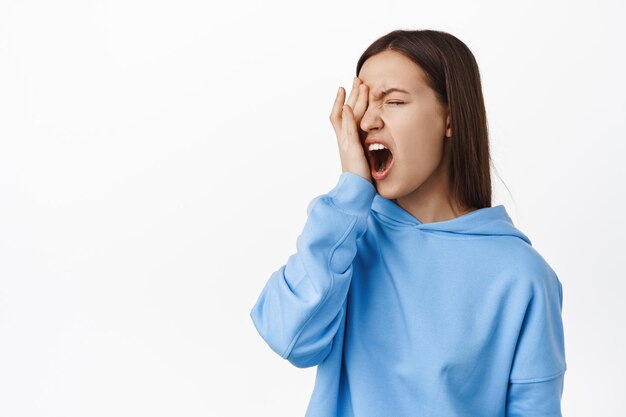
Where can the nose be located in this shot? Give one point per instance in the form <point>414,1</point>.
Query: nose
<point>371,119</point>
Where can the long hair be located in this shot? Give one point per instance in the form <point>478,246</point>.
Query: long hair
<point>452,72</point>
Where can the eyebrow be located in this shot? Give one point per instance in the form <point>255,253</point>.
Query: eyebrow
<point>389,91</point>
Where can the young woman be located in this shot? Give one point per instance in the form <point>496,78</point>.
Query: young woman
<point>409,291</point>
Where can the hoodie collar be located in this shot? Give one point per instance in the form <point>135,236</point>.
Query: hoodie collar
<point>485,221</point>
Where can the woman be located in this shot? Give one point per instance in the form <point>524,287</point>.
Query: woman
<point>409,291</point>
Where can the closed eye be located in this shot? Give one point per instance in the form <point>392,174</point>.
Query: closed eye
<point>395,102</point>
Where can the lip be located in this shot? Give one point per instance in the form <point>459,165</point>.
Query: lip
<point>373,139</point>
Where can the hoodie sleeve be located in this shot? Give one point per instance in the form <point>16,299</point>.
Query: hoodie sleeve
<point>538,372</point>
<point>301,305</point>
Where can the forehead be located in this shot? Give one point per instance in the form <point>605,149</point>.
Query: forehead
<point>391,69</point>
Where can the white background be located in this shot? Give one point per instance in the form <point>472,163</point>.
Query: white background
<point>157,159</point>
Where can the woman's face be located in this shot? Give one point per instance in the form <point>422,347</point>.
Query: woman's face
<point>414,124</point>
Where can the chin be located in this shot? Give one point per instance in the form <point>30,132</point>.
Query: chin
<point>395,190</point>
<point>385,191</point>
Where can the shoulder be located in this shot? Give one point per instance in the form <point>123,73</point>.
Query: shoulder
<point>527,267</point>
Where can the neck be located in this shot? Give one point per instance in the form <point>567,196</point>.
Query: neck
<point>432,201</point>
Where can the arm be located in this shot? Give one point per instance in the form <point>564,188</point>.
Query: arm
<point>301,306</point>
<point>538,372</point>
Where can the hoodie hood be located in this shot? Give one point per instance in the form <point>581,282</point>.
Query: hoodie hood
<point>485,221</point>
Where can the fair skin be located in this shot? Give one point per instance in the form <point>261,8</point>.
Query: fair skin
<point>415,125</point>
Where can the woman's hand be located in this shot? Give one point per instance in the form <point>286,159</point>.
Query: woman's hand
<point>346,120</point>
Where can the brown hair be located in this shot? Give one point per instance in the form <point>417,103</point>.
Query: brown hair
<point>452,72</point>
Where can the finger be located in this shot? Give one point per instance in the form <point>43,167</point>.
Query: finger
<point>361,103</point>
<point>335,114</point>
<point>354,94</point>
<point>347,123</point>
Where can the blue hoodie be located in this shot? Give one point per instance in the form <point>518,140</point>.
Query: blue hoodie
<point>446,319</point>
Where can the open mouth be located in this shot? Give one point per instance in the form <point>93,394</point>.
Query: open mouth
<point>380,159</point>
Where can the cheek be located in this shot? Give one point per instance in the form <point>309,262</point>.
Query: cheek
<point>419,137</point>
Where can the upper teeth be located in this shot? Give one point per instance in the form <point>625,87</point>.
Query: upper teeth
<point>377,146</point>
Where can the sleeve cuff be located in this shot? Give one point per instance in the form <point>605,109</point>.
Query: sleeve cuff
<point>353,193</point>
